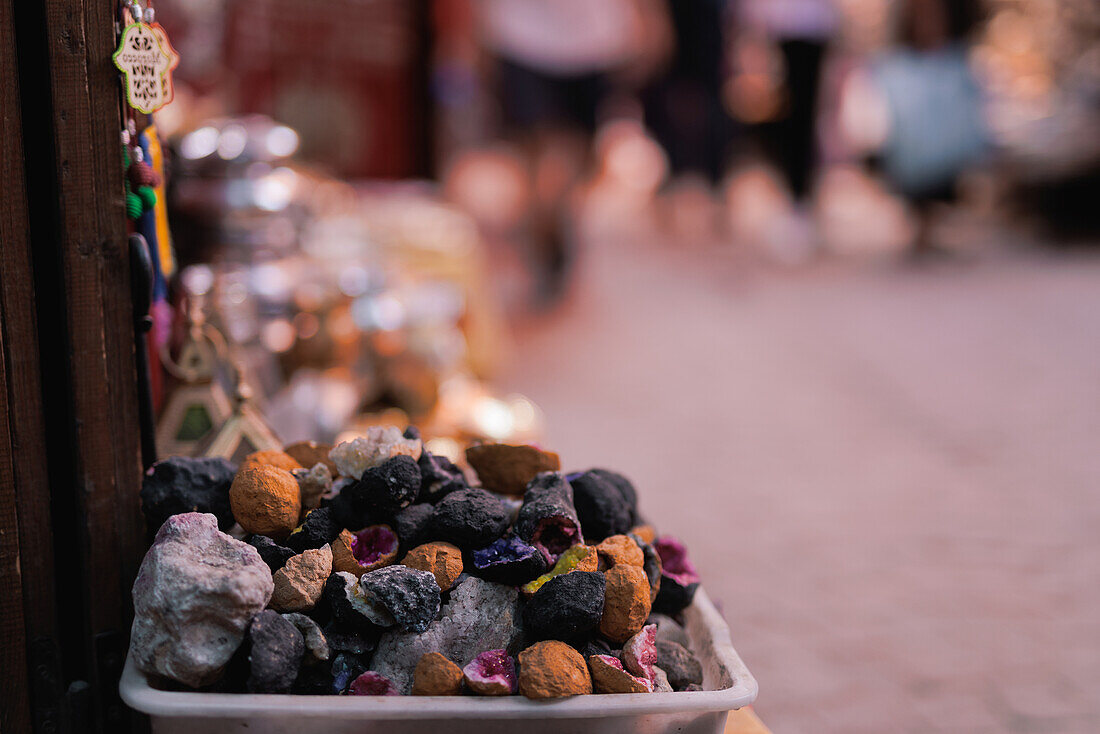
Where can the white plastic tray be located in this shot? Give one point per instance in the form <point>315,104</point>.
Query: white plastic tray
<point>727,681</point>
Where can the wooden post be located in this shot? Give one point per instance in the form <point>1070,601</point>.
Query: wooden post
<point>69,436</point>
<point>29,652</point>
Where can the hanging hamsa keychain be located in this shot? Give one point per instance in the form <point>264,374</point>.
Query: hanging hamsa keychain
<point>146,62</point>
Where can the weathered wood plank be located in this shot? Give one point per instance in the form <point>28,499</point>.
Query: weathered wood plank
<point>94,264</point>
<point>27,606</point>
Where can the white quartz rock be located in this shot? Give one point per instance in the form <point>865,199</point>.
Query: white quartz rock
<point>195,593</point>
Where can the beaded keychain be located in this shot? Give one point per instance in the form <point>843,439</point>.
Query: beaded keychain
<point>147,59</point>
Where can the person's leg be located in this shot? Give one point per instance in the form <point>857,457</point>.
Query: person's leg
<point>556,146</point>
<point>798,153</point>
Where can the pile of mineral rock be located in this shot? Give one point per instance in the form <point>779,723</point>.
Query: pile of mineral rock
<point>378,568</point>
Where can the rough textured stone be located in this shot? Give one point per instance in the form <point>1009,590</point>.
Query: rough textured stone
<point>181,484</point>
<point>270,458</point>
<point>547,518</point>
<point>412,525</point>
<point>275,653</point>
<point>669,629</point>
<point>347,605</point>
<point>346,667</point>
<point>660,681</point>
<point>387,487</point>
<point>319,528</point>
<point>351,639</point>
<point>596,645</point>
<point>372,684</point>
<point>625,488</point>
<point>652,567</point>
<point>577,558</point>
<point>552,669</point>
<point>479,615</point>
<point>469,518</point>
<point>298,584</point>
<point>681,667</point>
<point>640,652</point>
<point>311,453</point>
<point>609,676</point>
<point>509,561</point>
<point>195,593</point>
<point>619,549</point>
<point>679,579</point>
<point>507,469</point>
<point>626,604</point>
<point>491,673</point>
<point>600,504</point>
<point>566,607</point>
<point>442,560</point>
<point>273,554</point>
<point>266,501</point>
<point>439,477</point>
<point>409,595</point>
<point>313,484</point>
<point>316,644</point>
<point>645,533</point>
<point>371,548</point>
<point>354,457</point>
<point>435,675</point>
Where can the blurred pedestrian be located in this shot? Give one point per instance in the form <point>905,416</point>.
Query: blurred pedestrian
<point>557,62</point>
<point>932,122</point>
<point>800,30</point>
<point>683,104</point>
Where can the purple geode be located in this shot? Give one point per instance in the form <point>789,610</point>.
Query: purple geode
<point>509,561</point>
<point>491,673</point>
<point>373,543</point>
<point>548,519</point>
<point>372,684</point>
<point>679,579</point>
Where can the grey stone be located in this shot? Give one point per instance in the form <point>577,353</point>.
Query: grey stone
<point>480,616</point>
<point>317,648</point>
<point>275,653</point>
<point>406,596</point>
<point>682,667</point>
<point>195,594</point>
<point>669,629</point>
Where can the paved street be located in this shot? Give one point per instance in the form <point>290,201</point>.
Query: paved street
<point>889,477</point>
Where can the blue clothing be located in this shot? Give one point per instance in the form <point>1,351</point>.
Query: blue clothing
<point>937,127</point>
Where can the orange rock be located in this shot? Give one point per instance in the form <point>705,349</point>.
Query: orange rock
<point>552,669</point>
<point>298,584</point>
<point>308,453</point>
<point>266,500</point>
<point>609,676</point>
<point>645,532</point>
<point>443,560</point>
<point>507,469</point>
<point>626,602</point>
<point>435,675</point>
<point>619,549</point>
<point>271,458</point>
<point>349,557</point>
